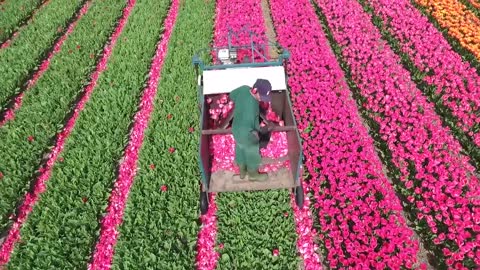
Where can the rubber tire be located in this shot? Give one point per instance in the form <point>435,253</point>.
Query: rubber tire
<point>203,202</point>
<point>299,196</point>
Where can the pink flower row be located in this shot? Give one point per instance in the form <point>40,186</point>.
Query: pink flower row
<point>45,171</point>
<point>306,245</point>
<point>246,15</point>
<point>443,187</point>
<point>233,15</point>
<point>240,22</point>
<point>360,220</point>
<point>104,249</point>
<point>456,81</point>
<point>237,15</point>
<point>222,148</point>
<point>9,114</point>
<point>207,257</point>
<point>220,107</point>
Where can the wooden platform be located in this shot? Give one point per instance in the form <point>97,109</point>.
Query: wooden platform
<point>228,181</point>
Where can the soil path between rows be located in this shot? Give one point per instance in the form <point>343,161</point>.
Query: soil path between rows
<point>270,29</point>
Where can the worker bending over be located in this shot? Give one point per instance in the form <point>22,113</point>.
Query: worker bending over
<point>246,127</point>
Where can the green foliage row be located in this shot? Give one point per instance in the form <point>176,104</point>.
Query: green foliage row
<point>21,58</point>
<point>160,227</point>
<point>25,140</point>
<point>251,225</point>
<point>65,224</point>
<point>13,13</point>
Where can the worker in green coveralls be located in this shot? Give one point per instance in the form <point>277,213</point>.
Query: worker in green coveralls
<point>246,127</point>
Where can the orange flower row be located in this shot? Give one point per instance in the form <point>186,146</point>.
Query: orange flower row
<point>475,3</point>
<point>461,23</point>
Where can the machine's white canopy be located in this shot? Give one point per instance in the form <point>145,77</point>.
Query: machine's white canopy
<point>226,80</point>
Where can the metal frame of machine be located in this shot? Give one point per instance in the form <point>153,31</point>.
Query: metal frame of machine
<point>225,75</point>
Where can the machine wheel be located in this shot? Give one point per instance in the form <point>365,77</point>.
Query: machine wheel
<point>299,196</point>
<point>203,202</point>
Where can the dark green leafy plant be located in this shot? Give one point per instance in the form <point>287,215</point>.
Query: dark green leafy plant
<point>21,58</point>
<point>13,13</point>
<point>71,206</point>
<point>252,226</point>
<point>161,218</point>
<point>24,141</point>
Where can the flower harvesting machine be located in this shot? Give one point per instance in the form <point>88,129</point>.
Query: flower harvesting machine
<point>234,66</point>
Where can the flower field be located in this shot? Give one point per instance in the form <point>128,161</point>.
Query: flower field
<point>100,131</point>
